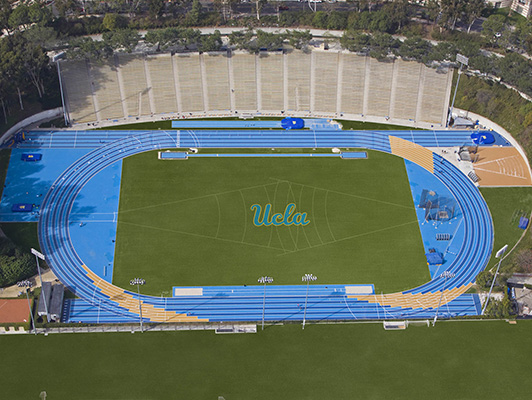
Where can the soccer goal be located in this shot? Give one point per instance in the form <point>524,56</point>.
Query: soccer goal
<point>394,325</point>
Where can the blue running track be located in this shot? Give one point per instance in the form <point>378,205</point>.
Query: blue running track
<point>245,303</point>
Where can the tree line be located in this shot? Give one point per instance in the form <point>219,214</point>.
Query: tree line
<point>30,30</point>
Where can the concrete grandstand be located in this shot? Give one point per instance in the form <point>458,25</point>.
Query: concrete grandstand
<point>319,83</point>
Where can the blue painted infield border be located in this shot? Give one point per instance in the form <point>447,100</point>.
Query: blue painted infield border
<point>28,182</point>
<point>420,179</point>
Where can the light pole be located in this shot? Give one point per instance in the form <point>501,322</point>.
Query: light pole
<point>38,255</point>
<point>264,280</point>
<point>307,278</point>
<point>446,275</point>
<point>499,255</point>
<point>463,60</point>
<point>139,282</point>
<point>27,284</point>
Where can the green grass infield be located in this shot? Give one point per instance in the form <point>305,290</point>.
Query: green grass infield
<point>191,223</point>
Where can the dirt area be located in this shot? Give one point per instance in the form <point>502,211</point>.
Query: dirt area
<point>14,310</point>
<point>501,166</point>
<point>15,291</point>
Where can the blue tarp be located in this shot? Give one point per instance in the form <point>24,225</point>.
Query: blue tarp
<point>434,258</point>
<point>31,157</point>
<point>292,123</point>
<point>523,223</point>
<point>22,207</point>
<point>482,138</point>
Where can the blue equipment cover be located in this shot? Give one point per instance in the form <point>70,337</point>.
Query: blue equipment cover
<point>523,223</point>
<point>22,207</point>
<point>293,123</point>
<point>20,137</point>
<point>434,258</point>
<point>31,157</point>
<point>482,138</point>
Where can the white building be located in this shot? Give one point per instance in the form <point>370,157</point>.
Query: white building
<point>523,7</point>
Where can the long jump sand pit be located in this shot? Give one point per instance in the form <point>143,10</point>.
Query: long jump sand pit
<point>501,166</point>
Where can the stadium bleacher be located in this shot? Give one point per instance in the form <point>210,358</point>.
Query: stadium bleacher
<point>161,72</point>
<point>407,89</point>
<point>134,85</point>
<point>380,87</point>
<point>352,83</point>
<point>299,70</point>
<point>272,76</point>
<point>107,93</point>
<point>324,83</point>
<point>217,79</point>
<point>245,82</point>
<point>190,82</point>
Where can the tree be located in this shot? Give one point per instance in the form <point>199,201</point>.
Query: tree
<point>522,37</point>
<point>193,17</point>
<point>191,38</point>
<point>493,27</point>
<point>65,7</point>
<point>337,21</point>
<point>320,20</point>
<point>380,22</point>
<point>258,7</point>
<point>211,42</point>
<point>398,12</point>
<point>472,10</point>
<point>382,44</point>
<point>451,10</point>
<point>14,269</point>
<point>15,264</point>
<point>433,10</point>
<point>23,62</point>
<point>482,63</point>
<point>299,39</point>
<point>123,39</point>
<point>355,41</point>
<point>499,308</point>
<point>414,49</point>
<point>241,39</point>
<point>44,36</point>
<point>443,51</point>
<point>86,48</point>
<point>524,260</point>
<point>484,279</point>
<point>113,22</point>
<point>268,41</point>
<point>155,8</point>
<point>23,16</point>
<point>225,7</point>
<point>5,13</point>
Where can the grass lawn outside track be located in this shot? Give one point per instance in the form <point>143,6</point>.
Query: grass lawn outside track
<point>190,223</point>
<point>454,360</point>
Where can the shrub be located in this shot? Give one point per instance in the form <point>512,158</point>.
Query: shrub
<point>15,265</point>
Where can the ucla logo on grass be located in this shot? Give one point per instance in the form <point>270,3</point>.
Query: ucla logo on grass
<point>288,218</point>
